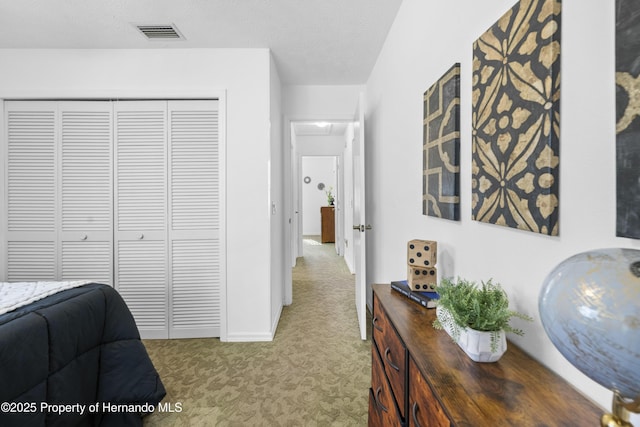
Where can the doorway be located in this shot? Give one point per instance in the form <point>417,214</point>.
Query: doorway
<point>350,149</point>
<point>320,199</point>
<point>317,139</point>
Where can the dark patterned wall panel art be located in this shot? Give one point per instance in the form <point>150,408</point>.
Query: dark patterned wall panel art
<point>628,118</point>
<point>441,147</point>
<point>516,119</point>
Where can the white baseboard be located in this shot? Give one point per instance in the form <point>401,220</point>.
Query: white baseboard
<point>250,337</point>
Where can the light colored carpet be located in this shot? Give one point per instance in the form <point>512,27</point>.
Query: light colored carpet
<point>316,371</point>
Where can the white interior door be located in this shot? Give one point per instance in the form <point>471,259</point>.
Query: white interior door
<point>31,197</point>
<point>359,218</point>
<point>127,194</point>
<point>86,189</point>
<point>59,189</point>
<point>194,225</point>
<point>141,253</point>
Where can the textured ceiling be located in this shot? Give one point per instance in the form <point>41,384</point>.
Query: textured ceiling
<point>316,42</point>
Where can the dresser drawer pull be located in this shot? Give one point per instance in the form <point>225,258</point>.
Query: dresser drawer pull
<point>414,413</point>
<point>375,325</point>
<point>389,361</point>
<point>380,405</point>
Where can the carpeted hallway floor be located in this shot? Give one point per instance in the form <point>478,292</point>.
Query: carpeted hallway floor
<point>316,371</point>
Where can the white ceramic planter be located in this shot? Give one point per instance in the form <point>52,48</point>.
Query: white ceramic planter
<point>476,344</point>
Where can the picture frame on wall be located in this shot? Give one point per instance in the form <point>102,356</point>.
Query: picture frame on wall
<point>627,119</point>
<point>441,147</point>
<point>516,119</point>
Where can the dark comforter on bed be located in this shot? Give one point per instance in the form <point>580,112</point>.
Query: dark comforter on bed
<point>77,347</point>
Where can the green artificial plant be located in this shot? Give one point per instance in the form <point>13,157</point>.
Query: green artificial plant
<point>483,307</point>
<point>329,193</point>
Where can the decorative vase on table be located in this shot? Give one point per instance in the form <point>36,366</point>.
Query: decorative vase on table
<point>480,346</point>
<point>466,306</point>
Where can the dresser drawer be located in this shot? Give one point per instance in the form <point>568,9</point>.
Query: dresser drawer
<point>424,408</point>
<point>382,406</point>
<point>392,353</point>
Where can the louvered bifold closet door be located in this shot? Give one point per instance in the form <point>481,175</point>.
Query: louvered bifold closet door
<point>141,213</point>
<point>194,232</point>
<point>30,191</point>
<point>86,190</point>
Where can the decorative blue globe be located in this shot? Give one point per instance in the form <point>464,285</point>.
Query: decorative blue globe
<point>590,309</point>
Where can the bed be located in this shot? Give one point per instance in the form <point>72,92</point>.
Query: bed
<point>75,358</point>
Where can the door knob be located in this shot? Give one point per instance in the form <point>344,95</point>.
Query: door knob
<point>362,228</point>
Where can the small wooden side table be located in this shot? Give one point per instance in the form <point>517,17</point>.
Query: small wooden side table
<point>327,216</point>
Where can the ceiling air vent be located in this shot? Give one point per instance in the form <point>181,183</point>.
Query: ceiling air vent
<point>160,32</point>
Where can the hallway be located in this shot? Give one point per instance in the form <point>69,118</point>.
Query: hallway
<point>316,371</point>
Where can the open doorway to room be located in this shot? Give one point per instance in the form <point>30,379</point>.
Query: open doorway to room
<point>320,200</point>
<point>320,157</point>
<point>343,140</point>
<point>320,163</point>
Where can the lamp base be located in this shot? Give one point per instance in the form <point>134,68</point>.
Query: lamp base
<point>620,409</point>
<point>610,420</point>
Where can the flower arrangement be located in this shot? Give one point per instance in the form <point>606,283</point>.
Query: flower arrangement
<point>483,307</point>
<point>329,194</point>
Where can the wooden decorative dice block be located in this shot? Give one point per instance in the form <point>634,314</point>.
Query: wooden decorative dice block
<point>422,253</point>
<point>423,279</point>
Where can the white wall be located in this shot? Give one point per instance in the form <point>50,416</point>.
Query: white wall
<point>425,40</point>
<point>320,169</point>
<point>241,74</point>
<point>312,145</point>
<point>280,271</point>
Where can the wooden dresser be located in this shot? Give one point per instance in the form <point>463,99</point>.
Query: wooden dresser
<point>420,377</point>
<point>328,224</point>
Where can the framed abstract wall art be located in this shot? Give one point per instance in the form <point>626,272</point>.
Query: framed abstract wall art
<point>441,147</point>
<point>627,118</point>
<point>516,119</point>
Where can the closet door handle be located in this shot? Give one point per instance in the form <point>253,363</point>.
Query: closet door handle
<point>84,237</point>
<point>140,236</point>
<point>389,361</point>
